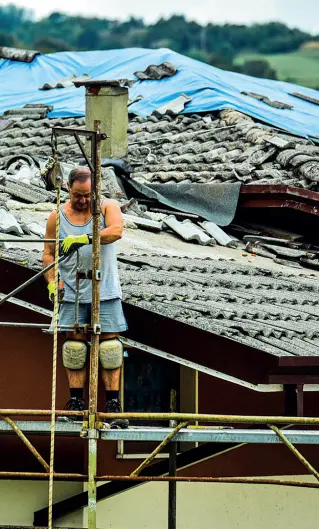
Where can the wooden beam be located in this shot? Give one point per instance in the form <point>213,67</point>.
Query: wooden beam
<point>298,361</point>
<point>293,379</point>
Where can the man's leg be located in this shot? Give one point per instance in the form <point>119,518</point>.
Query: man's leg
<point>76,377</point>
<point>110,377</point>
<point>74,356</point>
<point>111,358</point>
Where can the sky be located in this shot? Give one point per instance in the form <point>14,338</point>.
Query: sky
<point>303,14</point>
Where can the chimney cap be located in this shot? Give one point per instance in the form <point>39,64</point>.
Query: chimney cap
<point>101,83</point>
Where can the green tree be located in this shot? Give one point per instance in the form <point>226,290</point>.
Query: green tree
<point>259,68</point>
<point>215,44</point>
<point>50,45</point>
<point>7,39</point>
<point>12,17</point>
<point>89,40</point>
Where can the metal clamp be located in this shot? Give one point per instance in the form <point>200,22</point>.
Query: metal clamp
<point>82,328</point>
<point>97,328</point>
<point>93,433</point>
<point>90,433</point>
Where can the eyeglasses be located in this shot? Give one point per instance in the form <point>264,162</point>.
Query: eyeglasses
<point>78,197</point>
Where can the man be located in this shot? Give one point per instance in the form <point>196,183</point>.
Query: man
<point>76,234</point>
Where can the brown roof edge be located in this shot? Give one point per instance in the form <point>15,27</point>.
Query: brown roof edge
<point>298,361</point>
<point>277,196</point>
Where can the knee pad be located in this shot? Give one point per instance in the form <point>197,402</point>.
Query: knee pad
<point>74,354</point>
<point>111,353</point>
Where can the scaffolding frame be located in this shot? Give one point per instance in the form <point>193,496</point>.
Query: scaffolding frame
<point>91,425</point>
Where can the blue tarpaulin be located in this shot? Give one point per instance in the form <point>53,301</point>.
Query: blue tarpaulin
<point>210,88</point>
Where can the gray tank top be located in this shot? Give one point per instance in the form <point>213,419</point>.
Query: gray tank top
<point>110,284</point>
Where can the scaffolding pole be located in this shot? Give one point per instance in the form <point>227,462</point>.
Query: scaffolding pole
<point>171,520</point>
<point>209,479</point>
<point>206,417</point>
<point>189,417</point>
<point>296,452</point>
<point>95,323</point>
<point>27,443</point>
<point>172,486</point>
<point>159,449</point>
<point>31,280</point>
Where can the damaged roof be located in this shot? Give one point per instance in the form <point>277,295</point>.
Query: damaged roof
<point>273,310</point>
<point>205,87</point>
<point>226,147</point>
<point>267,310</point>
<point>263,305</point>
<point>230,148</point>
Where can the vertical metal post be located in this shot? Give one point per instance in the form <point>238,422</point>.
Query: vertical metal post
<point>172,470</point>
<point>172,486</point>
<point>77,291</point>
<point>300,400</point>
<point>120,444</point>
<point>290,392</point>
<point>95,322</point>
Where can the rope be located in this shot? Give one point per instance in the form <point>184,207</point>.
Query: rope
<point>55,353</point>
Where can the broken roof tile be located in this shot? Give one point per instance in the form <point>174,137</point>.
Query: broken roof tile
<point>66,82</point>
<point>8,223</point>
<point>188,230</point>
<point>218,234</point>
<point>173,107</point>
<point>305,98</point>
<point>34,112</point>
<point>152,72</point>
<point>267,101</point>
<point>17,54</point>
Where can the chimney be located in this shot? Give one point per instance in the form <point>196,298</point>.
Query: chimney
<point>107,102</point>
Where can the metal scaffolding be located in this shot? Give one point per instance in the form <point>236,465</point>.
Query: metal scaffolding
<point>92,424</point>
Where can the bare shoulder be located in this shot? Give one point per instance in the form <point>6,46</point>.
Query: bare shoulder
<point>52,218</point>
<point>109,204</point>
<point>51,223</point>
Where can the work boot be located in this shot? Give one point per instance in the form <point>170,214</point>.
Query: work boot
<point>74,404</point>
<point>114,406</point>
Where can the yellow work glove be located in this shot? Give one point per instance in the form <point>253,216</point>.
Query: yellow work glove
<point>73,242</point>
<point>52,291</point>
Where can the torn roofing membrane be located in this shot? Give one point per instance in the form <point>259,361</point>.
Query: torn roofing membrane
<point>210,88</point>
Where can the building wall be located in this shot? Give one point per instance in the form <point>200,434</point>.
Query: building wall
<point>207,505</point>
<point>199,506</point>
<point>25,382</point>
<point>19,500</point>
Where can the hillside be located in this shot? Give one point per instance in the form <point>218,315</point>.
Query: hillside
<point>300,67</point>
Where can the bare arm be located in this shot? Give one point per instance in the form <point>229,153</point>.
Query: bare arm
<point>49,248</point>
<point>113,220</point>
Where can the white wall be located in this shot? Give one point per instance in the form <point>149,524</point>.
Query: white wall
<point>19,500</point>
<point>212,506</point>
<point>199,506</point>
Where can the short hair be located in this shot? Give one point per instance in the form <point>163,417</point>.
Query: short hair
<point>79,174</point>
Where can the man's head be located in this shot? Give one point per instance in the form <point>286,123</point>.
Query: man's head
<point>79,185</point>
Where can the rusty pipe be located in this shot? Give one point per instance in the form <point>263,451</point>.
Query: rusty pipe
<point>197,479</point>
<point>28,444</point>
